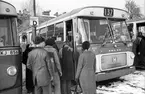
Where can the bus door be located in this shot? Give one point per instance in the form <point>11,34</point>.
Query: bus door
<point>141,28</point>
<point>70,40</point>
<point>69,32</point>
<point>10,58</point>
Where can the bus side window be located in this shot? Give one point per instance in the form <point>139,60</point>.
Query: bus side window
<point>43,32</point>
<point>59,27</point>
<point>50,31</point>
<point>69,31</point>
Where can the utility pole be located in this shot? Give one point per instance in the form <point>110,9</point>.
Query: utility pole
<point>34,8</point>
<point>34,22</point>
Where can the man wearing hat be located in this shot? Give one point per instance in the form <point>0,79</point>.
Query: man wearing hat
<point>138,49</point>
<point>40,65</point>
<point>50,42</point>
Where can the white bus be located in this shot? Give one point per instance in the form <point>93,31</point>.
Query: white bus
<point>106,30</point>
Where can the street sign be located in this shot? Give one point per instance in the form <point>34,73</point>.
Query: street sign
<point>34,21</point>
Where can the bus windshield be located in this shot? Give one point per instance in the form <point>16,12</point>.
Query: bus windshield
<point>120,30</point>
<point>8,30</point>
<point>97,30</point>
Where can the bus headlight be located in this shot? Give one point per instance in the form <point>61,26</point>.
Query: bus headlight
<point>11,70</point>
<point>132,56</point>
<point>130,44</point>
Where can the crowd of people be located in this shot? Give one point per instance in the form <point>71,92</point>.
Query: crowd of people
<point>50,68</point>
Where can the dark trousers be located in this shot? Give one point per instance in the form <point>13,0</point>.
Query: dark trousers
<point>29,81</point>
<point>65,86</point>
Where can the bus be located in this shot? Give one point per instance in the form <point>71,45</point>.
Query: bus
<point>135,26</point>
<point>10,52</point>
<point>106,30</point>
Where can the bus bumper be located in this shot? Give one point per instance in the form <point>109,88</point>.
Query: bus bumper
<point>114,74</point>
<point>17,90</point>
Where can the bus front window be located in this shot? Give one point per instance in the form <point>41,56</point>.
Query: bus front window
<point>120,30</point>
<point>7,32</point>
<point>83,30</point>
<point>94,30</point>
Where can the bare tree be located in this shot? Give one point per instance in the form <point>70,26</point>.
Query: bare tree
<point>133,10</point>
<point>28,5</point>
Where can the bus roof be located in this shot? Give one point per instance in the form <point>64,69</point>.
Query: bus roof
<point>140,20</point>
<point>7,9</point>
<point>86,11</point>
<point>98,11</point>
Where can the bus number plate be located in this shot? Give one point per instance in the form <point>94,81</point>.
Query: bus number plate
<point>108,12</point>
<point>9,52</point>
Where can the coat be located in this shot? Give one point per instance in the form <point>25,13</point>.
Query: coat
<point>39,63</point>
<point>25,54</point>
<point>54,59</point>
<point>29,80</point>
<point>141,50</point>
<point>67,63</point>
<point>138,49</point>
<point>135,51</point>
<point>86,72</point>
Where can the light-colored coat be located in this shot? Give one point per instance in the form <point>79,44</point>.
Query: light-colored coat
<point>86,72</point>
<point>39,63</point>
<point>56,66</point>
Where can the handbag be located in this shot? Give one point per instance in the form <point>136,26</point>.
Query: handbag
<point>77,88</point>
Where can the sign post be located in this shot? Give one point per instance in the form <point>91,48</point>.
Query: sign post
<point>34,23</point>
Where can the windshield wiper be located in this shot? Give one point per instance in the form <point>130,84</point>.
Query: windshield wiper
<point>104,40</point>
<point>106,33</point>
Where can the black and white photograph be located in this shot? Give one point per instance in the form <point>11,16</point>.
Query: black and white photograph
<point>72,46</point>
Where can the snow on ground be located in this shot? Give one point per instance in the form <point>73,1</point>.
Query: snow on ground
<point>129,84</point>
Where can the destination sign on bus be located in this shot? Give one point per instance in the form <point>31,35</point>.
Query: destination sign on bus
<point>108,12</point>
<point>103,12</point>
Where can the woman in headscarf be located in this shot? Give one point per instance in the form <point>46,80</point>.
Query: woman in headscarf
<point>86,70</point>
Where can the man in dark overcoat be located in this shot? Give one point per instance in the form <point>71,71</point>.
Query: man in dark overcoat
<point>29,81</point>
<point>140,51</point>
<point>67,64</point>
